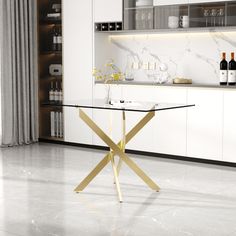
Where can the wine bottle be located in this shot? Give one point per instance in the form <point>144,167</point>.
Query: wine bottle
<point>232,71</point>
<point>51,93</point>
<point>54,40</point>
<point>56,94</point>
<point>223,70</point>
<point>60,94</point>
<point>59,40</point>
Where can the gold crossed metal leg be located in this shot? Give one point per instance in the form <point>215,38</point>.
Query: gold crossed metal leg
<point>117,149</point>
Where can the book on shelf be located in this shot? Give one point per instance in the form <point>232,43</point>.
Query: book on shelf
<point>52,119</point>
<point>60,125</point>
<point>56,120</point>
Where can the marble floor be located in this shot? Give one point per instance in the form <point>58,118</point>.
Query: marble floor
<point>37,198</point>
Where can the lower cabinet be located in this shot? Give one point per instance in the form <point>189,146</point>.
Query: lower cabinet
<point>144,140</point>
<point>166,132</point>
<point>109,121</point>
<point>229,130</point>
<point>170,125</point>
<point>205,131</point>
<point>204,124</point>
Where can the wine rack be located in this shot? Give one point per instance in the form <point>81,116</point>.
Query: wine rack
<point>50,53</point>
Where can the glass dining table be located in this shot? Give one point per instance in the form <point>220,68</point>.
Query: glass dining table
<point>148,109</point>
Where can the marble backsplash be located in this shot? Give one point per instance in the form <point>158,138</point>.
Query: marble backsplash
<point>193,55</point>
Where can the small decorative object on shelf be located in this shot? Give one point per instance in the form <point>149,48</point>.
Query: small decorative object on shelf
<point>182,81</point>
<point>55,69</point>
<point>161,74</point>
<point>110,73</point>
<point>56,12</point>
<point>129,72</point>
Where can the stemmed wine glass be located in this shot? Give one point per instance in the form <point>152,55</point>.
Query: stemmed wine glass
<point>213,15</point>
<point>206,14</point>
<point>221,14</point>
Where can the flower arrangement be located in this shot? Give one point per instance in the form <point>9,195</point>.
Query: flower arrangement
<point>110,73</point>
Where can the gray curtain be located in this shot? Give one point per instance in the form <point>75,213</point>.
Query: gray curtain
<point>19,80</point>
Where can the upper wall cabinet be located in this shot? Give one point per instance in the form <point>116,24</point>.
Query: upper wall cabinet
<point>205,1</point>
<point>108,10</point>
<point>169,2</point>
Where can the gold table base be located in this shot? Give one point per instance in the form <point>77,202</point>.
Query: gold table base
<point>117,149</point>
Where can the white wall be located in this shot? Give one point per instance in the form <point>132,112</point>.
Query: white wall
<point>0,71</point>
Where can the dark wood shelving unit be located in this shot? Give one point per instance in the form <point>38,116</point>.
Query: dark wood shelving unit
<point>46,57</point>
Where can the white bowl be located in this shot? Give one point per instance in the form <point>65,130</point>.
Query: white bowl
<point>144,3</point>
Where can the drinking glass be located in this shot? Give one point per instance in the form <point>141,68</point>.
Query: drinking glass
<point>137,19</point>
<point>213,15</point>
<point>143,18</point>
<point>206,14</point>
<point>149,20</point>
<point>221,14</point>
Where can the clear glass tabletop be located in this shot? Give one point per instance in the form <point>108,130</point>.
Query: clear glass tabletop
<point>120,105</point>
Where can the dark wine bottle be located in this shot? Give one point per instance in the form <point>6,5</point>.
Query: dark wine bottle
<point>54,40</point>
<point>59,40</point>
<point>223,70</point>
<point>232,71</point>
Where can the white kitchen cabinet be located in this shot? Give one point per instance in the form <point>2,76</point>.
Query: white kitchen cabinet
<point>170,125</point>
<point>204,124</point>
<point>77,63</point>
<point>144,140</point>
<point>229,131</point>
<point>169,2</point>
<point>166,132</point>
<point>109,121</point>
<point>108,10</point>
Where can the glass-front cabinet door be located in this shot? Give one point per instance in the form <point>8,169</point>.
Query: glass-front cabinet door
<point>138,15</point>
<point>176,14</point>
<point>171,17</point>
<point>208,15</point>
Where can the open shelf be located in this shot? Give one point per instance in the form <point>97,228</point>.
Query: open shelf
<point>46,104</point>
<point>51,52</point>
<point>50,22</point>
<point>170,31</point>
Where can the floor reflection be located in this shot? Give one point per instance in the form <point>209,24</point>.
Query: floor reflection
<point>37,197</point>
